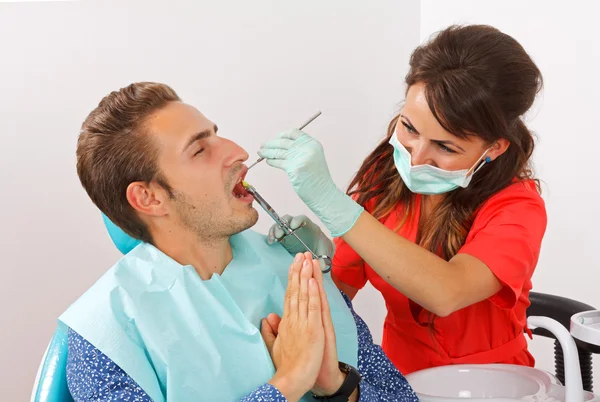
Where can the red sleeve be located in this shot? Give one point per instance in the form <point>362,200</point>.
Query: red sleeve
<point>347,265</point>
<point>507,236</point>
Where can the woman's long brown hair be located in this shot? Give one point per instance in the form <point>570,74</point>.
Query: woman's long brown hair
<point>478,81</point>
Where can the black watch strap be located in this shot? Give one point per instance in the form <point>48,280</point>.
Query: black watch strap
<point>349,385</point>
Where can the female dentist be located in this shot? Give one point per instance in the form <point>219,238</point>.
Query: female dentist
<point>444,217</point>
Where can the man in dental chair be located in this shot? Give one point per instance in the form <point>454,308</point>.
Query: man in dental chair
<point>202,308</point>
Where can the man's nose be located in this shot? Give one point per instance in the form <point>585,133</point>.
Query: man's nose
<point>234,153</point>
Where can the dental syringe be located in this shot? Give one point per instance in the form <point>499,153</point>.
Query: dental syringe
<point>284,224</point>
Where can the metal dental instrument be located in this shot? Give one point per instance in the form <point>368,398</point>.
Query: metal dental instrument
<point>301,127</point>
<point>284,225</point>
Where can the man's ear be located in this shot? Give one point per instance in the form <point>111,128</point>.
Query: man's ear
<point>147,199</point>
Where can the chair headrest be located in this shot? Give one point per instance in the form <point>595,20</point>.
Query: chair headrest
<point>122,240</point>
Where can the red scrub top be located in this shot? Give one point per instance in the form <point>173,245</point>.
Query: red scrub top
<point>506,235</point>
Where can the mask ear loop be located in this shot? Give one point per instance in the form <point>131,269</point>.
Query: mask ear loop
<point>482,164</point>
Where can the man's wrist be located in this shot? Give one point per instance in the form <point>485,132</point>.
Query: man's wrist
<point>288,386</point>
<point>348,390</point>
<point>340,377</point>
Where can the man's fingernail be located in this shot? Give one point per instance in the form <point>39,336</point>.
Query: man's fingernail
<point>298,258</point>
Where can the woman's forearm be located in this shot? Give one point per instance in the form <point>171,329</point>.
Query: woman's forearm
<point>437,285</point>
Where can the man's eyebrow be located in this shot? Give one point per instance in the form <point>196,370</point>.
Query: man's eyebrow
<point>199,136</point>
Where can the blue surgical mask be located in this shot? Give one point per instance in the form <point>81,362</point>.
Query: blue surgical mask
<point>427,179</point>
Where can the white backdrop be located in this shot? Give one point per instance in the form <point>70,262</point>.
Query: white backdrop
<point>254,68</point>
<point>562,38</point>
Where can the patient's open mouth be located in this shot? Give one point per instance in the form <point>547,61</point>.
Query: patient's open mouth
<point>240,192</point>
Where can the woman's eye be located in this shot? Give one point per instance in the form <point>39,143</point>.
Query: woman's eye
<point>446,149</point>
<point>409,128</point>
<point>199,151</point>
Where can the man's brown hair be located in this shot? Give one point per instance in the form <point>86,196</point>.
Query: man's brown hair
<point>115,149</point>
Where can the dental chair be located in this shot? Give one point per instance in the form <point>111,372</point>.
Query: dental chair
<point>51,381</point>
<point>562,309</point>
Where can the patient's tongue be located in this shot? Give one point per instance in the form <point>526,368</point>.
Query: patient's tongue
<point>239,190</point>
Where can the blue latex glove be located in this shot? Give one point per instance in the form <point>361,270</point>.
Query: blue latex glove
<point>302,158</point>
<point>308,231</point>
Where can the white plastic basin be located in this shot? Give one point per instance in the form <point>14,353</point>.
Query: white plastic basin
<point>496,382</point>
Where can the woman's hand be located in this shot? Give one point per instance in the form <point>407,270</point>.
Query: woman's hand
<point>303,159</point>
<point>310,233</point>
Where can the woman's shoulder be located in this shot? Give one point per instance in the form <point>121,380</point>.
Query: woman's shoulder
<point>520,190</point>
<point>520,200</point>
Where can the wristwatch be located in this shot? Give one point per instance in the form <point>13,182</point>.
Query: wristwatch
<point>349,385</point>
